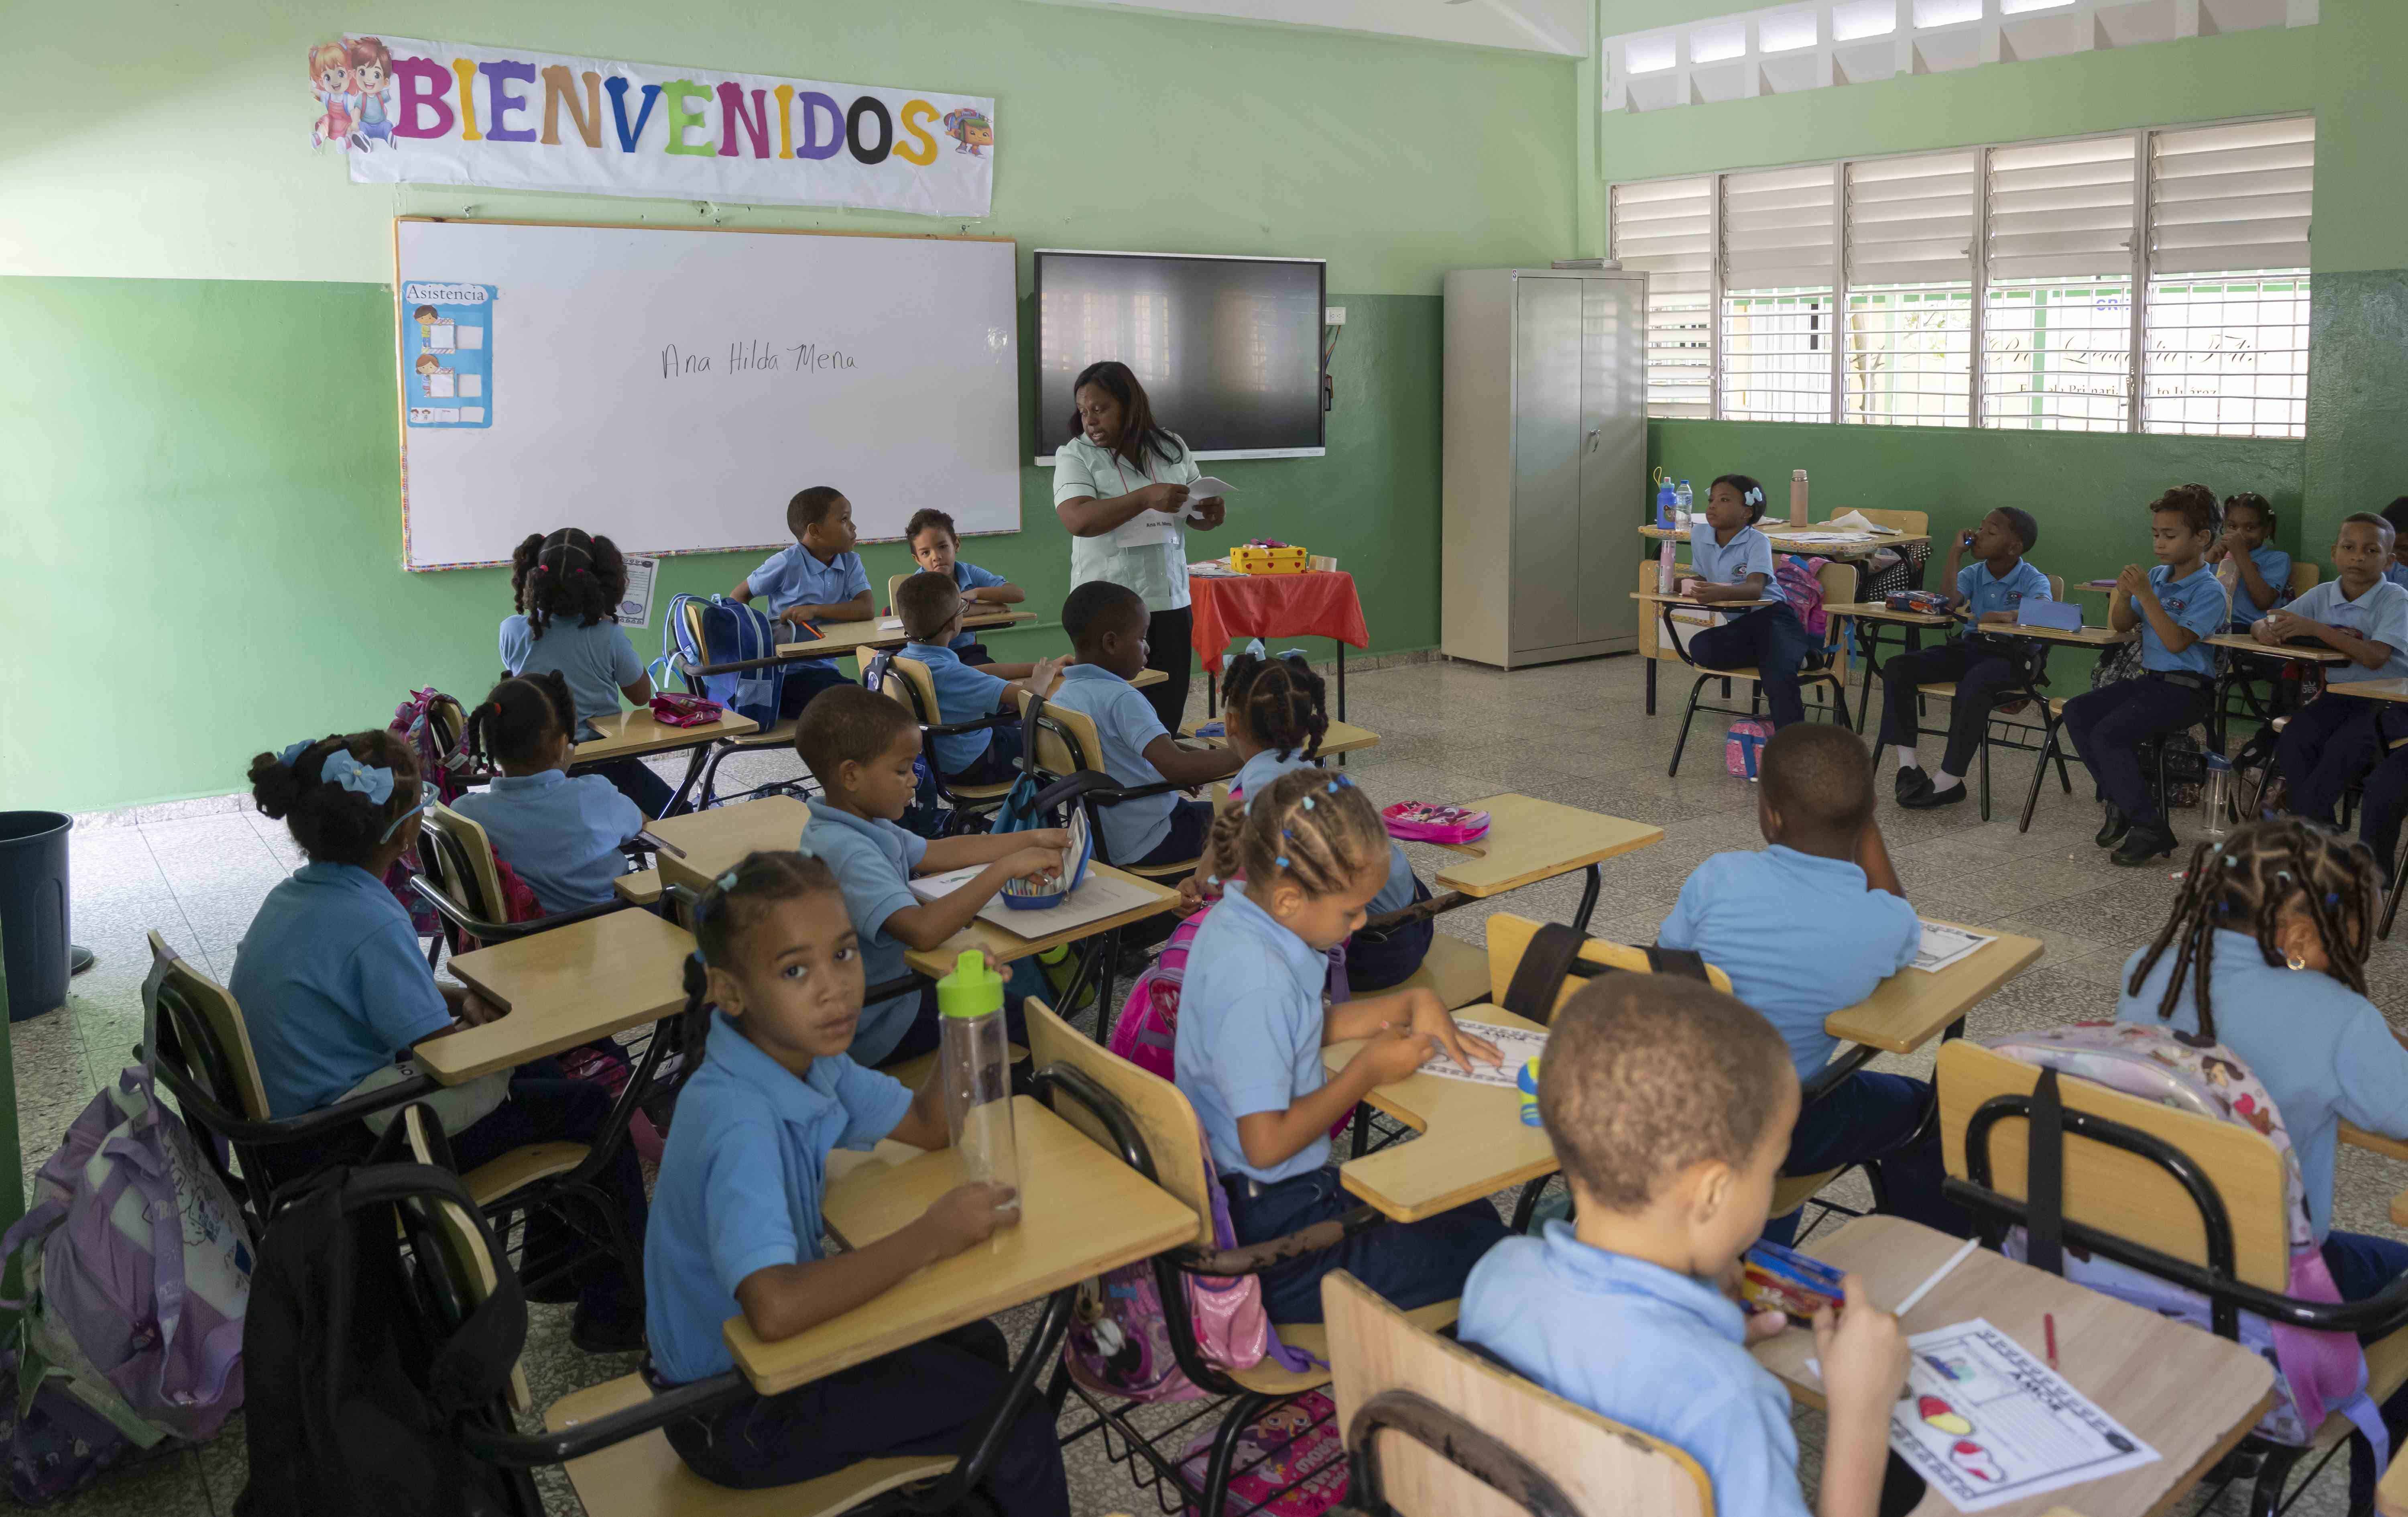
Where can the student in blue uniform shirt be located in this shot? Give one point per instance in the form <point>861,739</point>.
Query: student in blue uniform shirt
<point>1733,561</point>
<point>1815,922</point>
<point>737,1214</point>
<point>1987,591</point>
<point>561,834</point>
<point>2253,571</point>
<point>1107,624</point>
<point>931,610</point>
<point>567,588</point>
<point>2176,606</point>
<point>2335,739</point>
<point>819,579</point>
<point>860,746</point>
<point>2396,514</point>
<point>1252,1024</point>
<point>335,987</point>
<point>1668,1105</point>
<point>937,548</point>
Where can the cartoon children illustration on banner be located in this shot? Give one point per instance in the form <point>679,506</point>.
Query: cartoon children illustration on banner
<point>970,130</point>
<point>352,80</point>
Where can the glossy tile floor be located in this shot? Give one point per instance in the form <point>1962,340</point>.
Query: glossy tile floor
<point>1571,734</point>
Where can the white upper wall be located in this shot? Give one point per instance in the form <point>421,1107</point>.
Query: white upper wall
<point>1554,26</point>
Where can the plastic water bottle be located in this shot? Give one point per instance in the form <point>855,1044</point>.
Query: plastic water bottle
<point>1664,506</point>
<point>2215,795</point>
<point>976,1067</point>
<point>1797,498</point>
<point>1681,500</point>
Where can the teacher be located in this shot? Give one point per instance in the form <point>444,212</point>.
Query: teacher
<point>1120,485</point>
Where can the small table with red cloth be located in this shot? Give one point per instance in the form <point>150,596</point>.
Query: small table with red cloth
<point>1316,603</point>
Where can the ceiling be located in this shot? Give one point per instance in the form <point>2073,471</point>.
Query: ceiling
<point>1550,26</point>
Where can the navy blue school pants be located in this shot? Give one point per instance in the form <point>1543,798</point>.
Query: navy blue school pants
<point>1978,673</point>
<point>1384,963</point>
<point>2326,744</point>
<point>635,779</point>
<point>2384,800</point>
<point>804,681</point>
<point>1191,822</point>
<point>993,766</point>
<point>1411,1263</point>
<point>2361,1266</point>
<point>2108,725</point>
<point>924,1399</point>
<point>1874,1118</point>
<point>1775,641</point>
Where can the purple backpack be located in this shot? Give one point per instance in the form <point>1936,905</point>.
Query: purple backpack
<point>137,1266</point>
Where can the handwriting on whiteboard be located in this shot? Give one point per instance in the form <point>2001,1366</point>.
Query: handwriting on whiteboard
<point>756,358</point>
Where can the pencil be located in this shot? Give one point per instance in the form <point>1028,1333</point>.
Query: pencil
<point>2048,1326</point>
<point>1936,1277</point>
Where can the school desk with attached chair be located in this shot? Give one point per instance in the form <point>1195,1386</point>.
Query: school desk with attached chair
<point>1529,840</point>
<point>1661,637</point>
<point>1341,738</point>
<point>2249,654</point>
<point>1866,620</point>
<point>633,733</point>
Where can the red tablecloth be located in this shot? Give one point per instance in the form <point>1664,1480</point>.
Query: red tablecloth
<point>1275,605</point>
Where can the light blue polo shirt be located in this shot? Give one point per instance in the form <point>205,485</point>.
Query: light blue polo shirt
<point>968,577</point>
<point>2275,566</point>
<point>1800,936</point>
<point>795,577</point>
<point>741,1184</point>
<point>2397,573</point>
<point>963,695</point>
<point>2197,603</point>
<point>873,860</point>
<point>333,985</point>
<point>2322,1050</point>
<point>560,834</point>
<point>1250,1029</point>
<point>1748,552</point>
<point>1986,592</point>
<point>597,660</point>
<point>1125,724</point>
<point>1258,772</point>
<point>1660,1353</point>
<point>2379,616</point>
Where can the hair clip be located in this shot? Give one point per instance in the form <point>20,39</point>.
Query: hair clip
<point>292,755</point>
<point>1285,833</point>
<point>2332,898</point>
<point>727,881</point>
<point>1255,649</point>
<point>1283,861</point>
<point>369,780</point>
<point>1307,799</point>
<point>2282,875</point>
<point>1754,495</point>
<point>1212,879</point>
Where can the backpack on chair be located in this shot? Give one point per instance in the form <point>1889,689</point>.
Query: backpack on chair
<point>733,631</point>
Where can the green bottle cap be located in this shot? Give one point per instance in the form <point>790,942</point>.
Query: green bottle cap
<point>972,989</point>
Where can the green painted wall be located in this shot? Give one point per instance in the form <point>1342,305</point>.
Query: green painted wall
<point>198,412</point>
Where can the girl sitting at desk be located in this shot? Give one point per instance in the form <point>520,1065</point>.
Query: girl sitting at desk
<point>1733,562</point>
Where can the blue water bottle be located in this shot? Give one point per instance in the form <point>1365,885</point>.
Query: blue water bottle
<point>1664,506</point>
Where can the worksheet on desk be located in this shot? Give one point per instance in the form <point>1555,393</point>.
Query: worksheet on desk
<point>1943,946</point>
<point>1518,1044</point>
<point>1985,1424</point>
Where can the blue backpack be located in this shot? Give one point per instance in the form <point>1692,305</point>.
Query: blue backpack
<point>708,630</point>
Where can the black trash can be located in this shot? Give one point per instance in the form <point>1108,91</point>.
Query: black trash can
<point>34,910</point>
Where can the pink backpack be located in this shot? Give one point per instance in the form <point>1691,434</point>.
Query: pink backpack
<point>1744,750</point>
<point>1295,1445</point>
<point>2314,1372</point>
<point>1799,582</point>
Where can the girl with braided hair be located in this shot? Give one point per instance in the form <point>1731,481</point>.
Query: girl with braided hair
<point>2266,953</point>
<point>567,588</point>
<point>1253,1023</point>
<point>1277,712</point>
<point>561,832</point>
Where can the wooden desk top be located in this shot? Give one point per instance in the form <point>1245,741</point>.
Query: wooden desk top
<point>2091,636</point>
<point>1781,532</point>
<point>843,637</point>
<point>1531,840</point>
<point>1874,610</point>
<point>1473,1143</point>
<point>2189,1395</point>
<point>1001,946</point>
<point>563,988</point>
<point>1913,1006</point>
<point>1341,737</point>
<point>1082,1212</point>
<point>631,733</point>
<point>2370,689</point>
<point>716,840</point>
<point>1653,598</point>
<point>2296,653</point>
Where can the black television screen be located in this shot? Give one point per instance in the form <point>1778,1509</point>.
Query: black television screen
<point>1227,349</point>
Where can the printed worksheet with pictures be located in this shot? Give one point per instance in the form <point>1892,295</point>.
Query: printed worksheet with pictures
<point>1985,1423</point>
<point>1943,946</point>
<point>1517,1045</point>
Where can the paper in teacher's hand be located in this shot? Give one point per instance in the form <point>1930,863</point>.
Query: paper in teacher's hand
<point>1207,488</point>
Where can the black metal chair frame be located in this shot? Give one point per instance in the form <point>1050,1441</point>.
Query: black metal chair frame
<point>1821,674</point>
<point>1999,732</point>
<point>962,810</point>
<point>2227,1295</point>
<point>704,764</point>
<point>441,856</point>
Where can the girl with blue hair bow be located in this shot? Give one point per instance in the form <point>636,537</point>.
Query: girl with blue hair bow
<point>336,991</point>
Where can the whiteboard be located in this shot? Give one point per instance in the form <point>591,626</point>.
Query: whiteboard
<point>672,389</point>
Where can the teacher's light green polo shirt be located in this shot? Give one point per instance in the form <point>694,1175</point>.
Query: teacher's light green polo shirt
<point>1157,572</point>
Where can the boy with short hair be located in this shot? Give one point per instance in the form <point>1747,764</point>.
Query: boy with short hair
<point>1811,924</point>
<point>819,579</point>
<point>936,547</point>
<point>1107,625</point>
<point>1987,591</point>
<point>930,606</point>
<point>2335,739</point>
<point>1669,1105</point>
<point>859,745</point>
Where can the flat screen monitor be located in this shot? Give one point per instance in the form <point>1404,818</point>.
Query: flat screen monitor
<point>1228,349</point>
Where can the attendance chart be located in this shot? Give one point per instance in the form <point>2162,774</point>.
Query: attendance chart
<point>1985,1423</point>
<point>447,353</point>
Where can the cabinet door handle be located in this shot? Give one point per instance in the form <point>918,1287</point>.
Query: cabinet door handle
<point>1592,439</point>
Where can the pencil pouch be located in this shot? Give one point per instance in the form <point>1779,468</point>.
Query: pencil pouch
<point>1922,601</point>
<point>672,708</point>
<point>2039,611</point>
<point>1418,822</point>
<point>1020,895</point>
<point>1775,1278</point>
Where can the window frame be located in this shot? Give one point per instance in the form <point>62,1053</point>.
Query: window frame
<point>2141,274</point>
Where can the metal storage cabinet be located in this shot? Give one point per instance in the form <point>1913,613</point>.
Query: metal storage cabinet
<point>1545,468</point>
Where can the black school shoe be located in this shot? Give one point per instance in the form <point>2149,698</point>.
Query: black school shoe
<point>2112,831</point>
<point>1911,782</point>
<point>1930,797</point>
<point>2141,842</point>
<point>593,1333</point>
